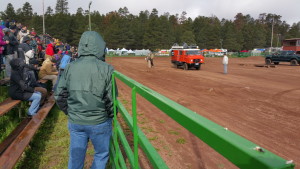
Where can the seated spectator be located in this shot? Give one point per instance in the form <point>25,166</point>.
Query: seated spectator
<point>20,90</point>
<point>48,71</point>
<point>58,56</point>
<point>31,78</point>
<point>62,65</point>
<point>64,62</point>
<point>27,49</point>
<point>23,32</point>
<point>49,51</point>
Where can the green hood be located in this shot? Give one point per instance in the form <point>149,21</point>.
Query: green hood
<point>91,44</point>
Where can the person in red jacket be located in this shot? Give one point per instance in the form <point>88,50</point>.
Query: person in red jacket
<point>49,51</point>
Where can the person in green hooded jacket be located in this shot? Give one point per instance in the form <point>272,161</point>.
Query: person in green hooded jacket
<point>84,93</point>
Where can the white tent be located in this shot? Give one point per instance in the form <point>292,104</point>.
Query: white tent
<point>142,52</point>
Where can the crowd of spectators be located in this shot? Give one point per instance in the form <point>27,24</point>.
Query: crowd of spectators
<point>30,60</point>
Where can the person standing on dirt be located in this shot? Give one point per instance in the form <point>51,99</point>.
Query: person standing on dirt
<point>84,93</point>
<point>149,59</point>
<point>225,63</point>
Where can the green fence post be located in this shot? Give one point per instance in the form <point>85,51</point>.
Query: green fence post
<point>115,135</point>
<point>135,129</point>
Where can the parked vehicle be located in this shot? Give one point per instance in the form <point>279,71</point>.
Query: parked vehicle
<point>283,56</point>
<point>186,56</point>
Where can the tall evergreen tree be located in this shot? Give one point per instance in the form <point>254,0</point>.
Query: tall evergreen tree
<point>294,32</point>
<point>9,12</point>
<point>49,11</point>
<point>27,9</point>
<point>61,6</point>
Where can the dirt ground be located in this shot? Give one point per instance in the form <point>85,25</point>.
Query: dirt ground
<point>258,103</point>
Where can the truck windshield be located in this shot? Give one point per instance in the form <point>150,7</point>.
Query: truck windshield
<point>193,52</point>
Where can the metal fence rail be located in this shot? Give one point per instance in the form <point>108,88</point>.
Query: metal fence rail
<point>240,151</point>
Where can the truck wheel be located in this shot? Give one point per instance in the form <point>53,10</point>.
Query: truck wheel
<point>294,62</point>
<point>268,61</point>
<point>276,63</point>
<point>185,66</point>
<point>199,67</point>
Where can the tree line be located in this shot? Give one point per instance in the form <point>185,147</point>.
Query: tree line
<point>149,30</point>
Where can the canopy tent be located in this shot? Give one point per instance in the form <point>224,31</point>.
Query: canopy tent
<point>142,52</point>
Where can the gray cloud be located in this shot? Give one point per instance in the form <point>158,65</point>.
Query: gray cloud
<point>289,9</point>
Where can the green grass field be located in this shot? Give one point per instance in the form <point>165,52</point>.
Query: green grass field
<point>50,145</point>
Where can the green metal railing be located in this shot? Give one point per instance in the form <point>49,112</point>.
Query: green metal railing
<point>240,151</point>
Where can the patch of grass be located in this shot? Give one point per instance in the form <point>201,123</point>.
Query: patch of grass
<point>125,102</point>
<point>221,166</point>
<point>173,132</point>
<point>11,119</point>
<point>180,141</point>
<point>49,146</point>
<point>153,138</point>
<point>161,121</point>
<point>142,121</point>
<point>167,148</point>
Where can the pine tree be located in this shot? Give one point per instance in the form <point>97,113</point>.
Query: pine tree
<point>61,6</point>
<point>294,32</point>
<point>26,14</point>
<point>49,11</point>
<point>188,37</point>
<point>27,9</point>
<point>9,11</point>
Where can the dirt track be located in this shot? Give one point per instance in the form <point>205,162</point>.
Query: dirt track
<point>260,104</point>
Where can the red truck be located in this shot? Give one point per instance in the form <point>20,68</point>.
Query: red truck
<point>186,56</point>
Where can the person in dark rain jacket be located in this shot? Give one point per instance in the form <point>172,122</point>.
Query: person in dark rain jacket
<point>84,92</point>
<point>20,90</point>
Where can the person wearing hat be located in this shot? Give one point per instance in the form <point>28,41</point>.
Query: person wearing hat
<point>84,93</point>
<point>13,30</point>
<point>25,47</point>
<point>32,69</point>
<point>9,52</point>
<point>20,89</point>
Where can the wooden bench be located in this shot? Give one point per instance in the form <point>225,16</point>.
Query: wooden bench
<point>13,152</point>
<point>9,139</point>
<point>7,105</point>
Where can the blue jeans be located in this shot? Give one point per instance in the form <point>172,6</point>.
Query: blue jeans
<point>34,107</point>
<point>80,135</point>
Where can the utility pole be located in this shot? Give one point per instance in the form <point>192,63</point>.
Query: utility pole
<point>272,33</point>
<point>278,35</point>
<point>221,40</point>
<point>43,19</point>
<point>90,16</point>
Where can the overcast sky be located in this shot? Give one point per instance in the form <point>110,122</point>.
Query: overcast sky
<point>288,9</point>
